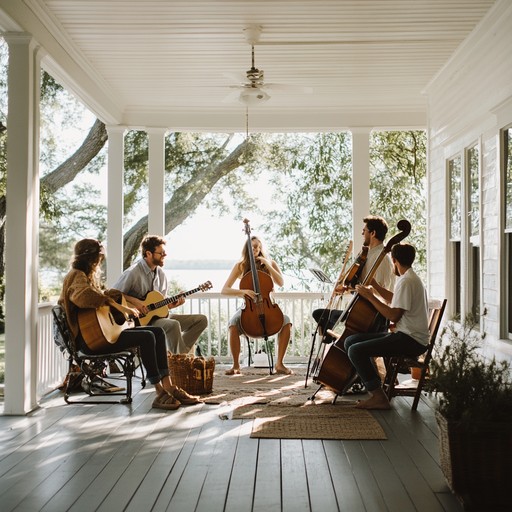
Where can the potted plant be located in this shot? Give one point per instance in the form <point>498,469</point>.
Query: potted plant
<point>474,415</point>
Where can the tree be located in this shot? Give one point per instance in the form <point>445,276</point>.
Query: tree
<point>310,173</point>
<point>398,177</point>
<point>317,219</point>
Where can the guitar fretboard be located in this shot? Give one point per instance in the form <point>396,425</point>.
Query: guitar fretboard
<point>169,300</point>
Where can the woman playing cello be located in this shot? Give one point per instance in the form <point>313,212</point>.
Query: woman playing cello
<point>271,268</point>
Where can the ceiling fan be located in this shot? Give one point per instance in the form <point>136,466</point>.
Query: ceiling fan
<point>254,90</point>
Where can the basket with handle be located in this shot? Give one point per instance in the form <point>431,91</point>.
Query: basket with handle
<point>193,374</point>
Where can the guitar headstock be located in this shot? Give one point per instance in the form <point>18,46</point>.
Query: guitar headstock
<point>205,286</point>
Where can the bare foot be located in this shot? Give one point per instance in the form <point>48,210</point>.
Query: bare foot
<point>378,401</point>
<point>281,368</point>
<point>232,371</point>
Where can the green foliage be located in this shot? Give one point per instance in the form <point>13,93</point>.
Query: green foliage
<point>136,150</point>
<point>398,178</point>
<point>312,175</point>
<point>312,180</point>
<point>472,389</point>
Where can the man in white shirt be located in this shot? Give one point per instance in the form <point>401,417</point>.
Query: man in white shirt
<point>407,308</point>
<point>374,232</point>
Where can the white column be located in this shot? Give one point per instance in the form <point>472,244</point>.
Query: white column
<point>360,181</point>
<point>22,225</point>
<point>115,204</point>
<point>156,195</point>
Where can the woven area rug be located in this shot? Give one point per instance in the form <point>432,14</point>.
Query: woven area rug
<point>279,408</point>
<point>327,421</point>
<point>255,385</point>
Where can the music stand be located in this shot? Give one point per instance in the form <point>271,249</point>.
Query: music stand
<point>320,275</point>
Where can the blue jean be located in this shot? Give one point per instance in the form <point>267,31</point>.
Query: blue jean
<point>361,348</point>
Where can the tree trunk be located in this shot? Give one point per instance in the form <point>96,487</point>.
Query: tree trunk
<point>185,199</point>
<point>67,171</point>
<point>61,176</point>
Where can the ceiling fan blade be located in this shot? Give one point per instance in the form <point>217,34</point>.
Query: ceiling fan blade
<point>288,88</point>
<point>235,77</point>
<point>232,97</point>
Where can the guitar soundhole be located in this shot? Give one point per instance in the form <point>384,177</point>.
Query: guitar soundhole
<point>116,317</point>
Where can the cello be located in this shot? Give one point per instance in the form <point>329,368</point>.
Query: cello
<point>261,317</point>
<point>336,371</point>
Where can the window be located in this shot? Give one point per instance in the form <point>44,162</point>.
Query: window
<point>473,254</point>
<point>507,270</point>
<point>507,165</point>
<point>455,183</point>
<point>464,232</point>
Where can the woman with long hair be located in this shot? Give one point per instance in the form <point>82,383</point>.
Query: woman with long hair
<point>265,264</point>
<point>81,289</point>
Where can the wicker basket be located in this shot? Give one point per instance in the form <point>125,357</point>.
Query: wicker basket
<point>193,374</point>
<point>477,463</point>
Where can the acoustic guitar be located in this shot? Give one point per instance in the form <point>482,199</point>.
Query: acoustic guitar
<point>157,304</point>
<point>102,327</point>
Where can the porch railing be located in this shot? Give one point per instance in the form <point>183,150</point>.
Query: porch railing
<point>52,366</point>
<point>51,363</point>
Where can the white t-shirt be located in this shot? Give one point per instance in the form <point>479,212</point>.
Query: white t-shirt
<point>384,274</point>
<point>411,296</point>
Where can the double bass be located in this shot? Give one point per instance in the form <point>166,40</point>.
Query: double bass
<point>261,317</point>
<point>336,371</point>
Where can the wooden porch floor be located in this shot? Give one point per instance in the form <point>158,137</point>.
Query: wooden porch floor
<point>135,458</point>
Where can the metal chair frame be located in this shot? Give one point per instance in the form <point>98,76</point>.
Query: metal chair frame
<point>90,363</point>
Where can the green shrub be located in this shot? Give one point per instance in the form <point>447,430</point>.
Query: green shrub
<point>471,388</point>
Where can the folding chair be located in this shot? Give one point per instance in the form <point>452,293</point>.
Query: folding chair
<point>91,365</point>
<point>397,364</point>
<point>268,350</point>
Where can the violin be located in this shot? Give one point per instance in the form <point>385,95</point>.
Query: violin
<point>260,317</point>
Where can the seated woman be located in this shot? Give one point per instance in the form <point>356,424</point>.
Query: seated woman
<point>270,267</point>
<point>81,290</point>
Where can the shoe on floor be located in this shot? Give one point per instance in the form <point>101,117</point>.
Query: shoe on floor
<point>166,402</point>
<point>184,397</point>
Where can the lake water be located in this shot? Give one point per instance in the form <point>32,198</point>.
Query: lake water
<point>189,279</point>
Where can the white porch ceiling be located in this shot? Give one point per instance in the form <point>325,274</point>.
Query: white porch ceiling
<point>163,63</point>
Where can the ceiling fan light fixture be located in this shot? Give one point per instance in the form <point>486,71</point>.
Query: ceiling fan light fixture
<point>253,96</point>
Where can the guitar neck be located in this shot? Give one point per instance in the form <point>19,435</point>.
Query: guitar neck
<point>169,300</point>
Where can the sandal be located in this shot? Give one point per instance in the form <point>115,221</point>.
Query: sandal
<point>284,371</point>
<point>232,371</point>
<point>185,398</point>
<point>166,401</point>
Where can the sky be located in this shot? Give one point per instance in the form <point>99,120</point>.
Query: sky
<point>206,237</point>
<point>202,236</point>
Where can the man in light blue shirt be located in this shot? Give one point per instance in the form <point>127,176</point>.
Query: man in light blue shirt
<point>147,275</point>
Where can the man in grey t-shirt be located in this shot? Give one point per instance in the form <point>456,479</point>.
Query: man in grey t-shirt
<point>147,275</point>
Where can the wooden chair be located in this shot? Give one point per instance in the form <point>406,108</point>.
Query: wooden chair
<point>395,364</point>
<point>90,366</point>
